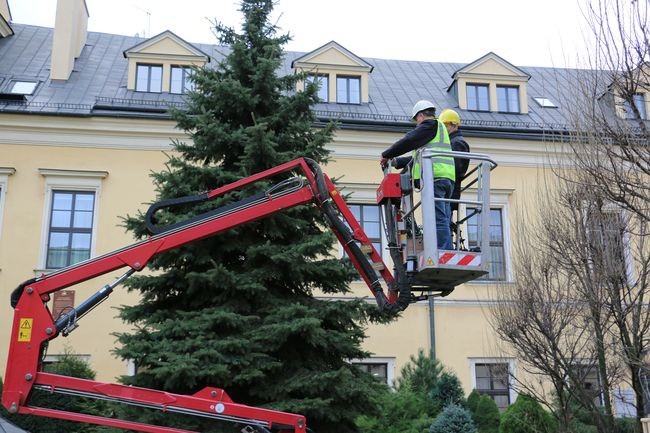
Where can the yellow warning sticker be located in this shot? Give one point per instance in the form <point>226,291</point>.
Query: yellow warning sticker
<point>429,262</point>
<point>25,331</point>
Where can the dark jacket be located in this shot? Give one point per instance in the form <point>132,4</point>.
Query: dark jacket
<point>418,137</point>
<point>458,144</point>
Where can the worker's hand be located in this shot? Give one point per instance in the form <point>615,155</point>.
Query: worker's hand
<point>384,163</point>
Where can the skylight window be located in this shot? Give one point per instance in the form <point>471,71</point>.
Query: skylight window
<point>22,87</point>
<point>545,102</point>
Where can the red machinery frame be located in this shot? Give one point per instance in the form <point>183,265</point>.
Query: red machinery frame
<point>34,326</point>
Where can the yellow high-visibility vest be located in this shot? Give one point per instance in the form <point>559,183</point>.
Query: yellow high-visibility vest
<point>443,166</point>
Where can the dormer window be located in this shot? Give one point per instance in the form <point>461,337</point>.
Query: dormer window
<point>163,64</point>
<point>348,90</point>
<point>343,75</point>
<point>490,84</point>
<point>478,97</point>
<point>508,99</point>
<point>181,80</point>
<point>148,78</point>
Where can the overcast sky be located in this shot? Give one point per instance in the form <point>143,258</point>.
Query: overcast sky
<point>523,32</point>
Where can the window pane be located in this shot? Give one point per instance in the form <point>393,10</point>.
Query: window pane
<point>371,213</point>
<point>84,202</point>
<point>176,85</point>
<point>156,79</point>
<point>639,101</point>
<point>513,100</point>
<point>497,251</point>
<point>341,90</point>
<point>322,82</point>
<point>323,90</point>
<point>502,99</point>
<point>502,401</point>
<point>62,201</point>
<point>483,98</point>
<point>83,219</point>
<point>355,90</point>
<point>142,78</point>
<point>61,218</point>
<point>372,229</point>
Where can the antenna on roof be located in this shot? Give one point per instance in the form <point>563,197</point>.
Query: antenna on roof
<point>147,33</point>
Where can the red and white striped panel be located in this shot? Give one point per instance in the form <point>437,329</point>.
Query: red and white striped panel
<point>459,258</point>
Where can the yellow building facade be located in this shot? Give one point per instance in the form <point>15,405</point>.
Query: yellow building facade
<point>64,129</point>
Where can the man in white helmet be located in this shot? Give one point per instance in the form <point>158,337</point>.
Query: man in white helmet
<point>429,132</point>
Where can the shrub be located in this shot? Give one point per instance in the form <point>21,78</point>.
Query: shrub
<point>453,419</point>
<point>486,416</point>
<point>420,373</point>
<point>448,390</point>
<point>472,400</point>
<point>526,415</point>
<point>402,411</point>
<point>68,365</point>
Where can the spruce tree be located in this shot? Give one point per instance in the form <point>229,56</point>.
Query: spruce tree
<point>237,310</point>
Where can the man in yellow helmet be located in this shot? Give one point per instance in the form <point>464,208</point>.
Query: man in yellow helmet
<point>451,119</point>
<point>432,133</point>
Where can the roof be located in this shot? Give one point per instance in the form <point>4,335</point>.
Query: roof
<point>97,85</point>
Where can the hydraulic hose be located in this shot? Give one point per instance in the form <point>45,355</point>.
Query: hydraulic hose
<point>368,271</point>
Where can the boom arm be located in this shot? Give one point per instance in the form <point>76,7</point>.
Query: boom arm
<point>34,326</point>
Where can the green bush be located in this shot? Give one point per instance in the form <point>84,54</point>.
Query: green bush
<point>448,390</point>
<point>472,400</point>
<point>486,416</point>
<point>68,365</point>
<point>627,425</point>
<point>453,419</point>
<point>402,411</point>
<point>526,415</point>
<point>421,373</point>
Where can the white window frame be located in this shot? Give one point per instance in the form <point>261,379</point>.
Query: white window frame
<point>5,172</point>
<point>499,198</point>
<point>363,194</point>
<point>390,366</point>
<point>54,358</point>
<point>512,372</point>
<point>70,180</point>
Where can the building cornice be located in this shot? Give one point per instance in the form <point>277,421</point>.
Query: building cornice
<point>88,132</point>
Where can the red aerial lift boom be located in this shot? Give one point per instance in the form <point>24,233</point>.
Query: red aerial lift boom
<point>300,182</point>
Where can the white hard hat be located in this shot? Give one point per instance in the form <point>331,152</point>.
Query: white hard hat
<point>420,106</point>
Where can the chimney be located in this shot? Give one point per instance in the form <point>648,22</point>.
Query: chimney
<point>4,10</point>
<point>70,31</point>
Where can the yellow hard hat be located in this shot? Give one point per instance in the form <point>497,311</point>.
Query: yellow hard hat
<point>449,116</point>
